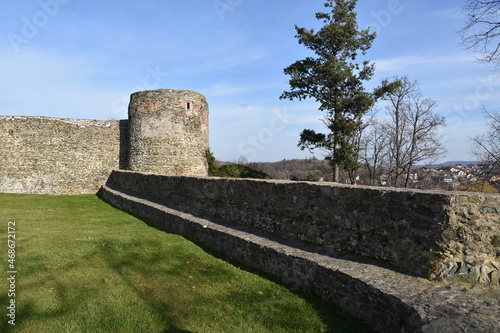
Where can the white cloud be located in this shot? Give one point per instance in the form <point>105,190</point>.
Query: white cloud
<point>448,13</point>
<point>227,88</point>
<point>225,61</point>
<point>406,62</point>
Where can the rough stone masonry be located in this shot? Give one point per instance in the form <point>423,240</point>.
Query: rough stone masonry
<point>167,132</point>
<point>442,236</point>
<point>433,240</point>
<point>43,155</point>
<point>386,298</point>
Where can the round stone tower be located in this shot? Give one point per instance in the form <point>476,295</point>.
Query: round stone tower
<point>168,131</point>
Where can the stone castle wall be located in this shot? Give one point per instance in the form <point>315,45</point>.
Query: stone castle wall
<point>437,235</point>
<point>57,156</point>
<point>167,133</point>
<point>444,236</point>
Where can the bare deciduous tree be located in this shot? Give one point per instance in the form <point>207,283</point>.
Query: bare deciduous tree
<point>412,131</point>
<point>423,140</point>
<point>482,31</point>
<point>374,151</point>
<point>487,146</point>
<point>396,129</point>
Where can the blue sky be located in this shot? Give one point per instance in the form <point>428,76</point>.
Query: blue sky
<point>83,59</point>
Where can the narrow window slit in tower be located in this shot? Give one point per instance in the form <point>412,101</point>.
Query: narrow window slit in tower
<point>188,105</point>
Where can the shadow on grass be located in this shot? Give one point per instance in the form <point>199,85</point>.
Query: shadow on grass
<point>174,329</point>
<point>68,291</point>
<point>75,290</point>
<point>334,318</point>
<point>61,297</point>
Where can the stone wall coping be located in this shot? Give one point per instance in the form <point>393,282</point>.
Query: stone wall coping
<point>66,120</point>
<point>338,185</point>
<point>167,89</point>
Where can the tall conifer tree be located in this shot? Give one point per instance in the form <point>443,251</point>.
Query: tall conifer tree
<point>334,78</point>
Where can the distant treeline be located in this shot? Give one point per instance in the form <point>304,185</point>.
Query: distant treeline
<point>310,169</point>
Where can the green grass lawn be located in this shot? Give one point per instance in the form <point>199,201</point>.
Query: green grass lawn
<point>84,266</point>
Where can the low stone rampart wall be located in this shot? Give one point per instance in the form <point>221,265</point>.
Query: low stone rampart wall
<point>437,235</point>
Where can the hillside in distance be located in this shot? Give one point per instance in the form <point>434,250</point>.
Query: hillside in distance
<point>297,169</point>
<point>314,169</point>
<point>449,163</point>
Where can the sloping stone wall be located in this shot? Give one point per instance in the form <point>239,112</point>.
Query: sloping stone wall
<point>437,235</point>
<point>58,156</point>
<point>387,300</point>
